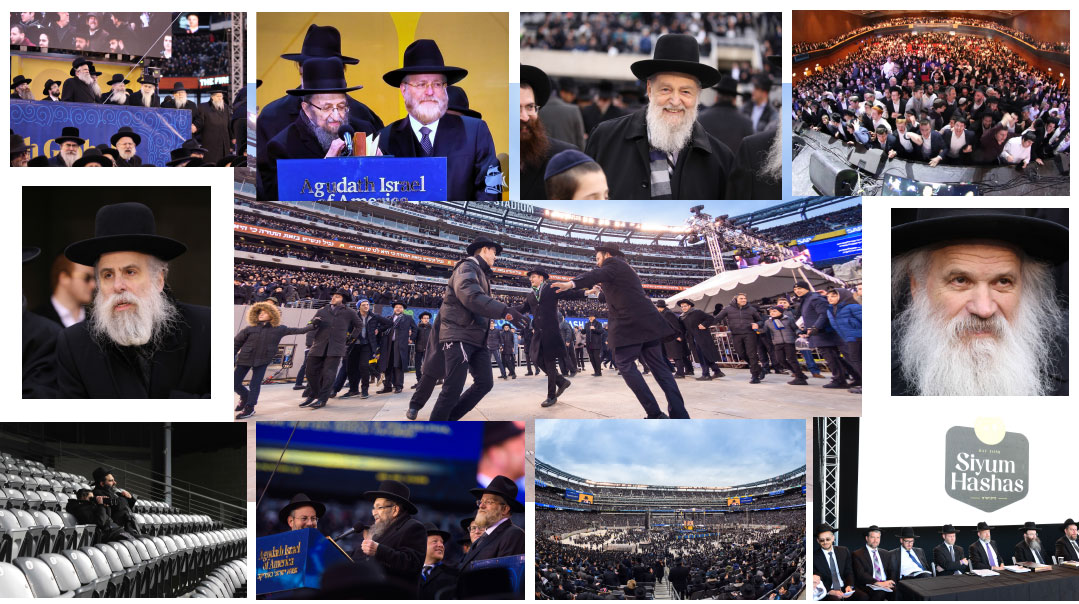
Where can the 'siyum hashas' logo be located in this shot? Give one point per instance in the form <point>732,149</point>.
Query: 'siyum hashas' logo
<point>986,467</point>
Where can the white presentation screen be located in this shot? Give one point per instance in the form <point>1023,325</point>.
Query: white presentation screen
<point>931,462</point>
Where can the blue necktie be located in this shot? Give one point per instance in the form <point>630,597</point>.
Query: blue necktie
<point>427,572</point>
<point>915,560</point>
<point>425,141</point>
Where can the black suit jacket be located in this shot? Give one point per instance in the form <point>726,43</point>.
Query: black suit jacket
<point>179,369</point>
<point>863,566</point>
<point>964,157</point>
<point>441,577</point>
<point>895,560</point>
<point>402,549</point>
<point>507,539</point>
<point>38,356</point>
<point>546,340</point>
<point>1023,553</point>
<point>331,333</point>
<point>943,560</point>
<point>75,90</point>
<point>746,181</point>
<point>294,142</point>
<point>727,124</point>
<point>842,561</point>
<point>48,311</point>
<point>978,558</point>
<point>1065,550</point>
<point>633,318</point>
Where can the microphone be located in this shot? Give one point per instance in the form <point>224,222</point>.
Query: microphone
<point>358,527</point>
<point>345,132</point>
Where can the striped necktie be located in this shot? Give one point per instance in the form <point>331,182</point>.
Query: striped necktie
<point>425,141</point>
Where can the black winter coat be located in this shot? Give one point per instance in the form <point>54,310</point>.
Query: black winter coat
<point>180,368</point>
<point>815,315</point>
<point>745,181</point>
<point>39,355</point>
<point>467,306</point>
<point>75,90</point>
<point>257,344</point>
<point>621,147</point>
<point>546,340</point>
<point>330,336</point>
<point>671,345</point>
<point>702,337</point>
<point>593,335</point>
<point>740,319</point>
<point>507,539</point>
<point>395,342</point>
<point>423,333</point>
<point>402,549</point>
<point>633,317</point>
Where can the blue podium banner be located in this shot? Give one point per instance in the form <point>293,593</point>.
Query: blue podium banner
<point>362,179</point>
<point>514,565</point>
<point>162,130</point>
<point>293,560</point>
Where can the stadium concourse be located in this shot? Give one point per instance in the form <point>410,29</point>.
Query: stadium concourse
<point>669,542</point>
<point>300,253</point>
<point>174,539</point>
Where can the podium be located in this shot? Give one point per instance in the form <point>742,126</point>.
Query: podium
<point>373,178</point>
<point>493,577</point>
<point>293,560</point>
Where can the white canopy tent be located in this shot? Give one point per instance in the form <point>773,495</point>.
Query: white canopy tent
<point>756,282</point>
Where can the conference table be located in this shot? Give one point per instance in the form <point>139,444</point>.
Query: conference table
<point>1061,583</point>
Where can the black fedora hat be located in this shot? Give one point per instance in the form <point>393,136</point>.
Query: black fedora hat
<point>125,131</point>
<point>1038,237</point>
<point>92,155</point>
<point>499,432</point>
<point>116,79</point>
<point>38,161</point>
<point>177,86</point>
<point>320,42</point>
<point>538,271</point>
<point>1068,523</point>
<point>458,102</point>
<point>99,474</point>
<point>466,522</point>
<point>425,314</point>
<point>323,76</point>
<point>948,529</point>
<point>346,296</point>
<point>93,70</point>
<point>484,241</point>
<point>610,248</point>
<point>907,533</point>
<point>661,304</point>
<point>179,156</point>
<point>146,79</point>
<point>393,490</point>
<point>504,488</point>
<point>686,301</point>
<point>108,151</point>
<point>18,144</point>
<point>538,81</point>
<point>727,85</point>
<point>423,56</point>
<point>29,253</point>
<point>70,133</point>
<point>822,528</point>
<point>677,53</point>
<point>870,529</point>
<point>1029,526</point>
<point>982,526</point>
<point>20,79</point>
<point>300,500</point>
<point>128,226</point>
<point>193,146</point>
<point>434,530</point>
<point>48,84</point>
<point>401,302</point>
<point>79,62</point>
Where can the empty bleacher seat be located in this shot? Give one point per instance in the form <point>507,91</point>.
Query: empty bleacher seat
<point>87,573</point>
<point>13,583</point>
<point>42,581</point>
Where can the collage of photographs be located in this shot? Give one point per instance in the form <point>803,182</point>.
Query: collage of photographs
<point>449,332</point>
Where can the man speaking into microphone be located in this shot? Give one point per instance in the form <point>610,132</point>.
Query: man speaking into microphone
<point>397,541</point>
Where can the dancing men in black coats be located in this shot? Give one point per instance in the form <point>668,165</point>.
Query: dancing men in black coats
<point>696,323</point>
<point>434,370</point>
<point>634,329</point>
<point>547,347</point>
<point>362,345</point>
<point>673,344</point>
<point>467,307</point>
<point>397,541</point>
<point>393,355</point>
<point>497,501</point>
<point>329,346</point>
<point>423,333</point>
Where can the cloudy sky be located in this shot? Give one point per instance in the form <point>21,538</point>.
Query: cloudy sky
<point>673,213</point>
<point>673,453</point>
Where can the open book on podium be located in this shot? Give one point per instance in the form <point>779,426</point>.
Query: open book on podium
<point>295,560</point>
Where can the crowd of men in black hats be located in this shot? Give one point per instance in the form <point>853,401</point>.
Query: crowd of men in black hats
<point>936,98</point>
<point>101,32</point>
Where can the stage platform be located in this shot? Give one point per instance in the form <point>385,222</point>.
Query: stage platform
<point>589,397</point>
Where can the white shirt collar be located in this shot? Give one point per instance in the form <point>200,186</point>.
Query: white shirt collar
<point>65,315</point>
<point>491,528</point>
<point>416,125</point>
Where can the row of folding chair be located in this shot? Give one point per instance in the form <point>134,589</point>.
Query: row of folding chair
<point>36,532</point>
<point>228,580</point>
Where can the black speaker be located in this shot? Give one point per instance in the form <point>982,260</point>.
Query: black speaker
<point>832,177</point>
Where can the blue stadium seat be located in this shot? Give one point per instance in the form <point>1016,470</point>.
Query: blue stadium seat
<point>13,583</point>
<point>41,578</point>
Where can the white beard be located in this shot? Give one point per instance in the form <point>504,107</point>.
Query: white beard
<point>148,320</point>
<point>179,104</point>
<point>427,112</point>
<point>772,169</point>
<point>126,154</point>
<point>938,361</point>
<point>147,99</point>
<point>120,98</point>
<point>69,158</point>
<point>91,81</point>
<point>218,104</point>
<point>667,136</point>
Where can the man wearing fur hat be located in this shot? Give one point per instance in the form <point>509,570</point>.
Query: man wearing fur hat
<point>255,346</point>
<point>329,346</point>
<point>137,340</point>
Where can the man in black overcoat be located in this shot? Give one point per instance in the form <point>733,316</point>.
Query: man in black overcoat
<point>696,323</point>
<point>546,346</point>
<point>497,502</point>
<point>743,320</point>
<point>213,122</point>
<point>119,501</point>
<point>758,167</point>
<point>423,332</point>
<point>38,347</point>
<point>397,541</point>
<point>593,340</point>
<point>394,353</point>
<point>634,329</point>
<point>82,86</point>
<point>137,341</point>
<point>362,344</point>
<point>328,348</point>
<point>674,344</point>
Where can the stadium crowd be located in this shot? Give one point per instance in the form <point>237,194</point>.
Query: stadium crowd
<point>198,55</point>
<point>816,225</point>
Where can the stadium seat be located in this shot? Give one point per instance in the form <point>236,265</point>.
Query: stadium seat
<point>48,500</point>
<point>51,537</point>
<point>35,543</point>
<point>112,572</point>
<point>133,569</point>
<point>67,578</point>
<point>16,499</point>
<point>33,498</point>
<point>13,583</point>
<point>12,536</point>
<point>42,581</point>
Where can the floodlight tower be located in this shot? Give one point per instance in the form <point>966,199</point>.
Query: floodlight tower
<point>704,226</point>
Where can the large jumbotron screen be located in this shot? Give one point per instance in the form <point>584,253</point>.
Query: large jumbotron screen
<point>132,33</point>
<point>975,461</point>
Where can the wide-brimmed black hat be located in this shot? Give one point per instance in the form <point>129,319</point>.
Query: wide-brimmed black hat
<point>869,529</point>
<point>323,76</point>
<point>145,79</point>
<point>484,241</point>
<point>346,296</point>
<point>982,526</point>
<point>99,474</point>
<point>320,42</point>
<point>29,253</point>
<point>79,62</point>
<point>425,314</point>
<point>1029,526</point>
<point>300,500</point>
<point>434,530</point>
<point>20,79</point>
<point>948,529</point>
<point>907,533</point>
<point>661,304</point>
<point>1043,239</point>
<point>70,133</point>
<point>1068,523</point>
<point>18,144</point>
<point>401,302</point>
<point>93,154</point>
<point>116,79</point>
<point>538,81</point>
<point>457,101</point>
<point>124,227</point>
<point>677,53</point>
<point>498,432</point>
<point>125,131</point>
<point>466,522</point>
<point>193,146</point>
<point>538,271</point>
<point>686,301</point>
<point>395,491</point>
<point>422,56</point>
<point>48,85</point>
<point>610,248</point>
<point>177,86</point>
<point>179,156</point>
<point>109,151</point>
<point>504,488</point>
<point>727,85</point>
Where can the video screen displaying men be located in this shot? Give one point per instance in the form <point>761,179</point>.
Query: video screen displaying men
<point>670,126</point>
<point>127,33</point>
<point>424,118</point>
<point>903,103</point>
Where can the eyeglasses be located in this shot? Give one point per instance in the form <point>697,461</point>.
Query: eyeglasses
<point>341,109</point>
<point>306,518</point>
<point>531,108</point>
<point>424,85</point>
<point>475,529</point>
<point>488,502</point>
<point>383,507</point>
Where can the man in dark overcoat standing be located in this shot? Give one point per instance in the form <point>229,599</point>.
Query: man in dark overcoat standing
<point>394,354</point>
<point>329,346</point>
<point>696,323</point>
<point>546,346</point>
<point>593,341</point>
<point>674,344</point>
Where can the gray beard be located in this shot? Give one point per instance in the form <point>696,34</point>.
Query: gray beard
<point>120,98</point>
<point>771,170</point>
<point>179,104</point>
<point>25,94</point>
<point>147,100</point>
<point>665,137</point>
<point>91,81</point>
<point>379,529</point>
<point>219,105</point>
<point>148,322</point>
<point>69,158</point>
<point>325,139</point>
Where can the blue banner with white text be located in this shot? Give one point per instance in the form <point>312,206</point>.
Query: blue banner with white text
<point>362,179</point>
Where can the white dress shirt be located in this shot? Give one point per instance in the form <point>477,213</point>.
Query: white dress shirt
<point>66,317</point>
<point>416,125</point>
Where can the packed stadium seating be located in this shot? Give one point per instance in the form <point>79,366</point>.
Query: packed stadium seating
<point>45,552</point>
<point>201,55</point>
<point>816,225</point>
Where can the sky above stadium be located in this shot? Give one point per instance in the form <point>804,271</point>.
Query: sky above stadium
<point>700,453</point>
<point>674,213</point>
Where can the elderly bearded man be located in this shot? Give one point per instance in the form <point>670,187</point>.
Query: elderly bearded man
<point>146,95</point>
<point>324,112</point>
<point>211,123</point>
<point>661,151</point>
<point>472,169</point>
<point>118,93</point>
<point>137,340</point>
<point>82,86</point>
<point>125,140</point>
<point>397,541</point>
<point>70,143</point>
<point>501,537</point>
<point>976,310</point>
